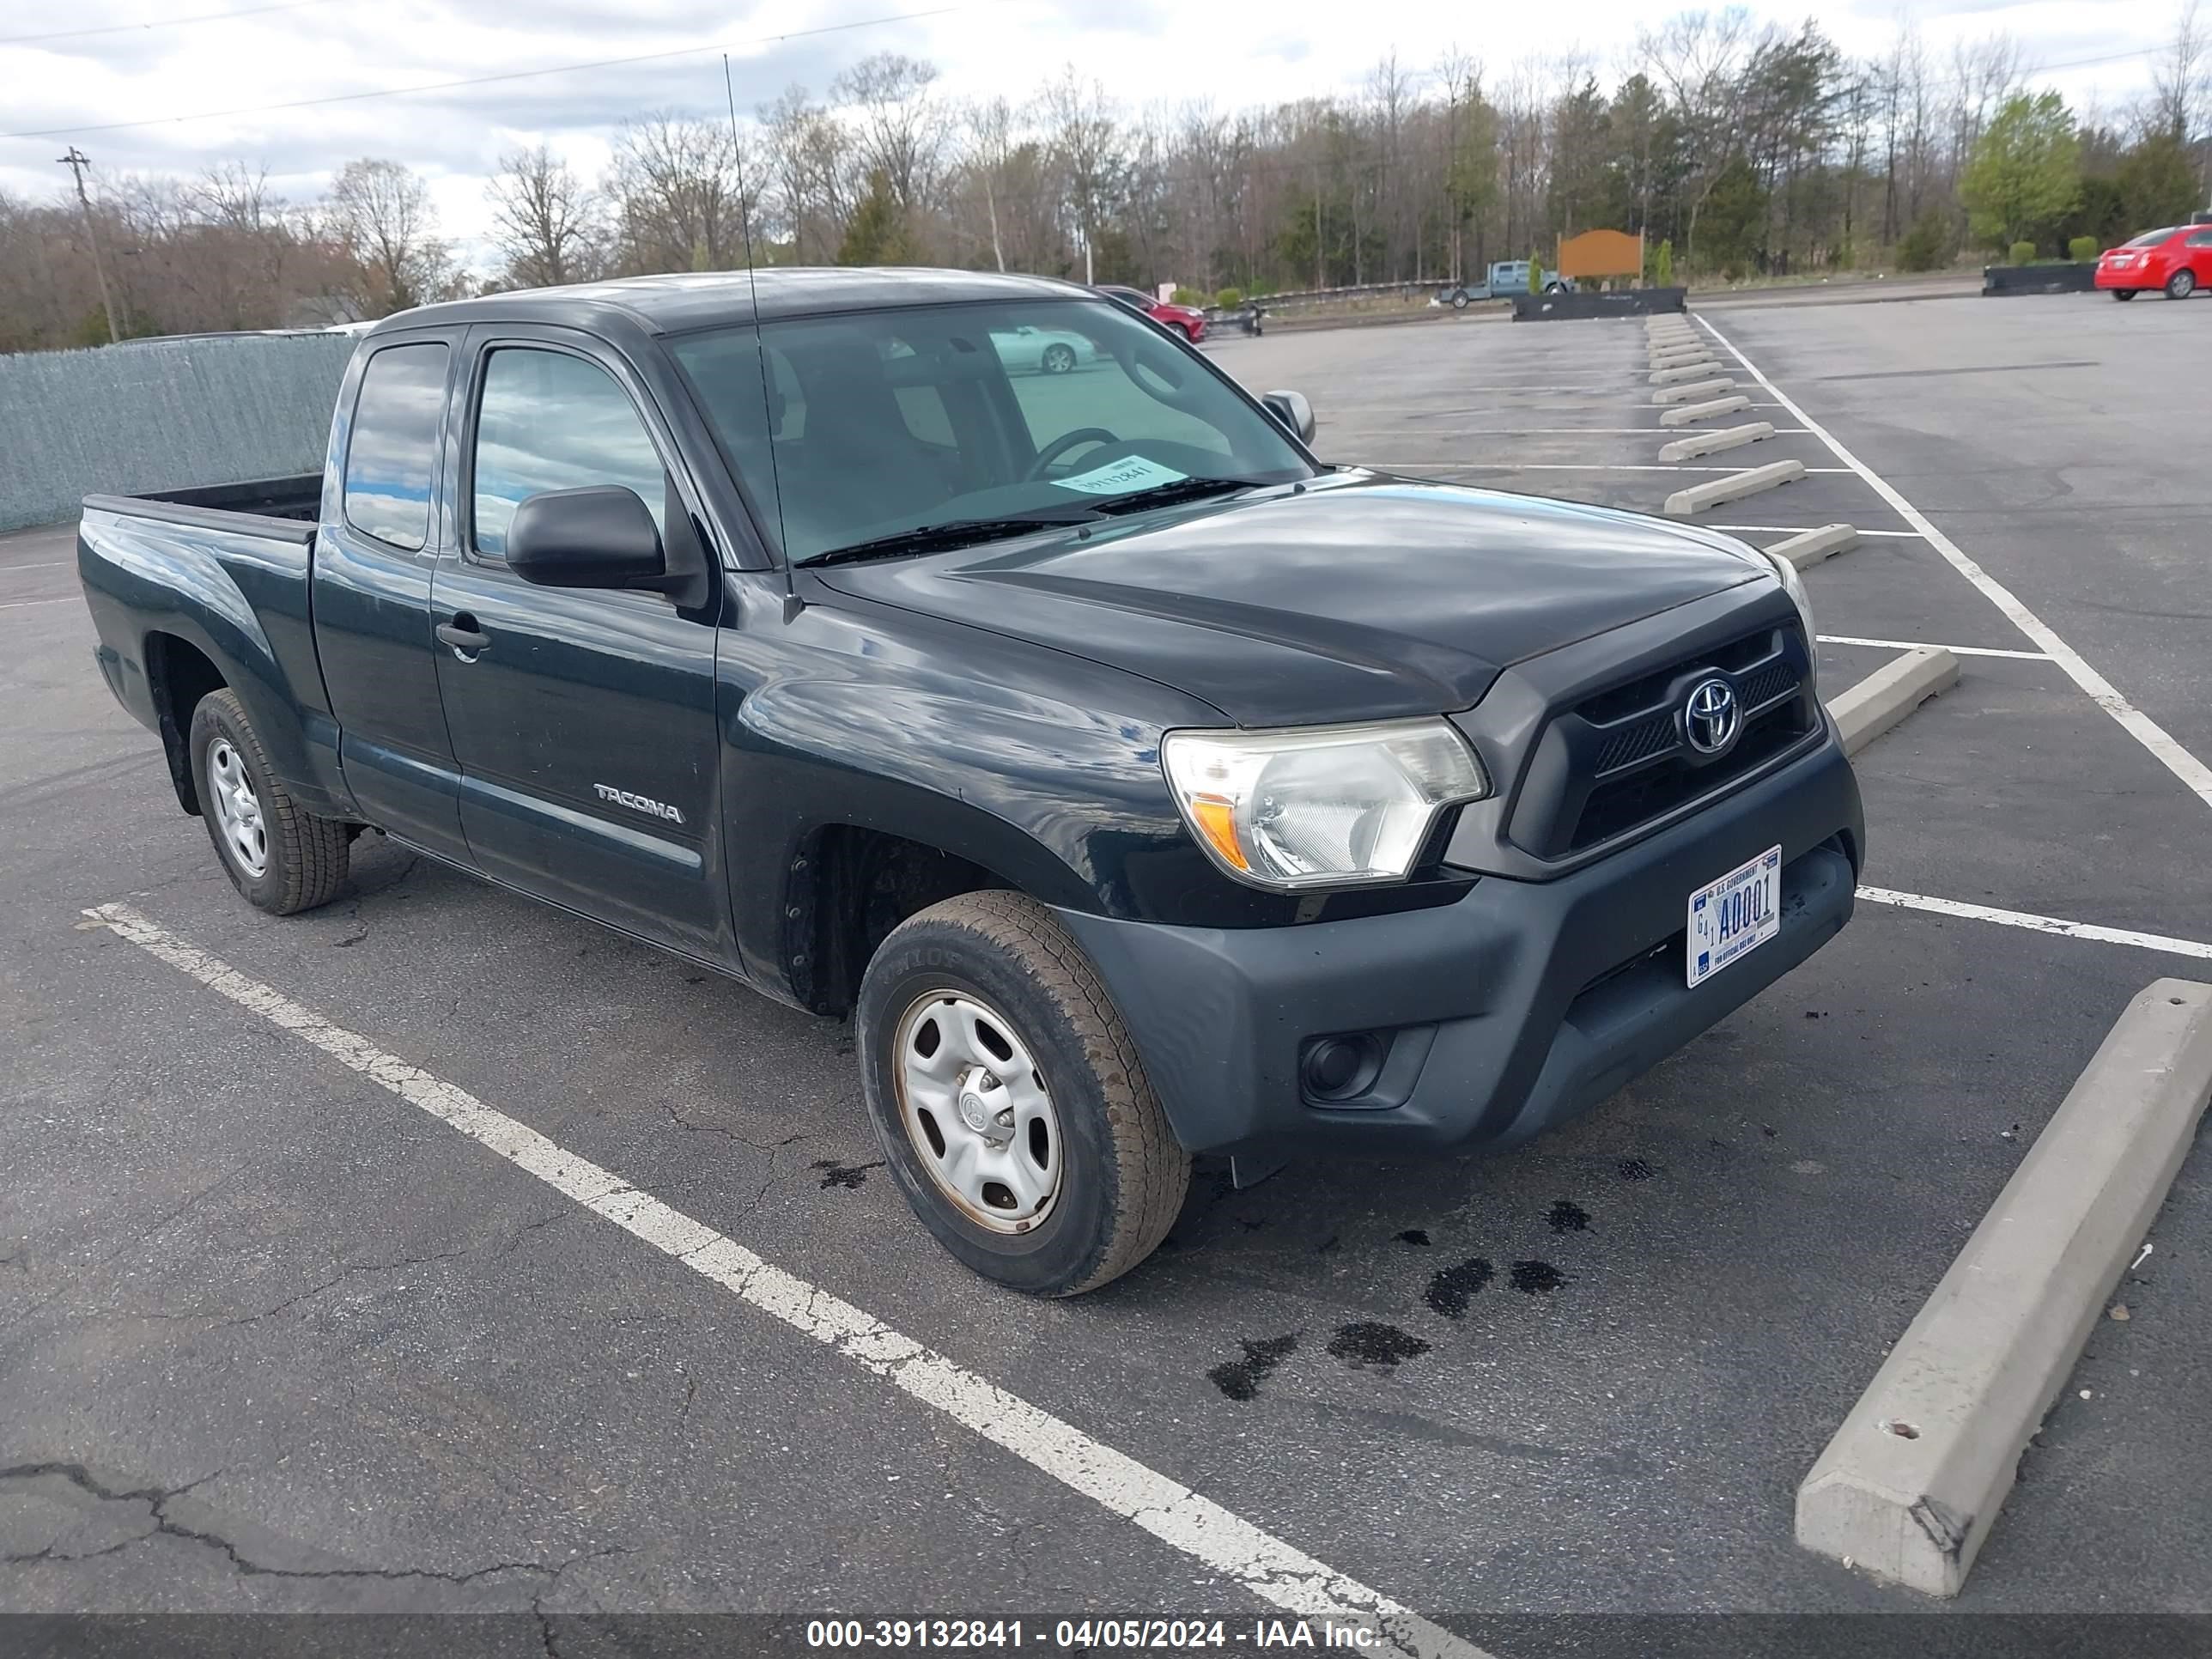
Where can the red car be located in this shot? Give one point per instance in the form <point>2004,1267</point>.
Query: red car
<point>2177,259</point>
<point>1192,323</point>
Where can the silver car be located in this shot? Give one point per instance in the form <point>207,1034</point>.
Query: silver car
<point>1033,350</point>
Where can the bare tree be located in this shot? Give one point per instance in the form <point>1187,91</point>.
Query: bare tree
<point>899,130</point>
<point>813,187</point>
<point>381,214</point>
<point>678,200</point>
<point>990,125</point>
<point>547,224</point>
<point>1085,135</point>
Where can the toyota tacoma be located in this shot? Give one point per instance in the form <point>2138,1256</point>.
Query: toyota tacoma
<point>1138,784</point>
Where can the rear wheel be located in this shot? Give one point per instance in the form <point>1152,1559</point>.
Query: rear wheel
<point>2181,284</point>
<point>280,856</point>
<point>1059,359</point>
<point>1009,1099</point>
<point>1459,302</point>
<point>2123,294</point>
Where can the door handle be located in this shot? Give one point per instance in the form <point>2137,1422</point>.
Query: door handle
<point>462,635</point>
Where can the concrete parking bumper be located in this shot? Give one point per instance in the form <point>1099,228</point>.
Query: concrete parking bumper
<point>1686,413</point>
<point>1675,373</point>
<point>1809,547</point>
<point>1911,1485</point>
<point>1692,391</point>
<point>1732,487</point>
<point>1720,438</point>
<point>1886,696</point>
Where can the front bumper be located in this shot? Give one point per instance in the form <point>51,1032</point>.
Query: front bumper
<point>1510,1011</point>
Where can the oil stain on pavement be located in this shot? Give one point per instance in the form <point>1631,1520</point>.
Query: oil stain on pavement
<point>1240,1378</point>
<point>1366,1344</point>
<point>1569,1217</point>
<point>1536,1278</point>
<point>848,1175</point>
<point>1450,1290</point>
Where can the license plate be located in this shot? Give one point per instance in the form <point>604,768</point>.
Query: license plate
<point>1733,916</point>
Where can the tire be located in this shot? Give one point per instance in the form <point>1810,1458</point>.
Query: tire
<point>302,858</point>
<point>1058,358</point>
<point>1189,334</point>
<point>998,965</point>
<point>1459,302</point>
<point>2123,294</point>
<point>2181,284</point>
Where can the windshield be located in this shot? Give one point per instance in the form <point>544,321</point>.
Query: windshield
<point>886,422</point>
<point>2150,238</point>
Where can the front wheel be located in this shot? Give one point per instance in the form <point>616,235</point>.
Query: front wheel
<point>1009,1099</point>
<point>281,857</point>
<point>2181,284</point>
<point>1459,302</point>
<point>2123,294</point>
<point>1059,359</point>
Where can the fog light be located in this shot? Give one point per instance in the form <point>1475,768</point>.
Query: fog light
<point>1339,1067</point>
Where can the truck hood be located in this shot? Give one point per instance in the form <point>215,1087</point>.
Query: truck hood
<point>1363,596</point>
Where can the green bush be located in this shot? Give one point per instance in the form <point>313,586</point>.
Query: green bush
<point>1662,266</point>
<point>1192,297</point>
<point>1230,298</point>
<point>1927,245</point>
<point>1535,275</point>
<point>2022,253</point>
<point>2081,249</point>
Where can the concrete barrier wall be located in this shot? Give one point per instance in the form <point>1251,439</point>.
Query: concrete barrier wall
<point>161,414</point>
<point>1628,302</point>
<point>2039,279</point>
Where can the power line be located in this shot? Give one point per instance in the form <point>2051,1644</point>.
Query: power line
<point>158,23</point>
<point>512,75</point>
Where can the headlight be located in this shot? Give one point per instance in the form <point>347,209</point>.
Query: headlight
<point>1794,586</point>
<point>1320,805</point>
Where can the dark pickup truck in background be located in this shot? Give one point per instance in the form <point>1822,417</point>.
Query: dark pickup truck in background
<point>1141,785</point>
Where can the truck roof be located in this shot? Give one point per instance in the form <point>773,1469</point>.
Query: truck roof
<point>688,300</point>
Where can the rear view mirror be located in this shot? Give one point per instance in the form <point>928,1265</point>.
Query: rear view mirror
<point>1293,409</point>
<point>601,537</point>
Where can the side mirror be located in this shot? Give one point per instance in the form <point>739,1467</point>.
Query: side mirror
<point>1293,409</point>
<point>601,537</point>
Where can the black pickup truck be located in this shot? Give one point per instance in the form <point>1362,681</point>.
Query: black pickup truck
<point>960,652</point>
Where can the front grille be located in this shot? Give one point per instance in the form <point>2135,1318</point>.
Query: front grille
<point>1619,758</point>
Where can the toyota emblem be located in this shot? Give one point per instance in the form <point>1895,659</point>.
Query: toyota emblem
<point>1712,717</point>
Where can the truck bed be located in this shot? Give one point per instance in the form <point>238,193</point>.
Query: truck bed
<point>284,507</point>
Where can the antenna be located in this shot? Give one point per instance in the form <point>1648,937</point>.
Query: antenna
<point>792,603</point>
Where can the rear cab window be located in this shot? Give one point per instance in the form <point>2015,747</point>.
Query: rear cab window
<point>391,447</point>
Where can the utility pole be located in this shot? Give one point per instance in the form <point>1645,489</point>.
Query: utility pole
<point>76,161</point>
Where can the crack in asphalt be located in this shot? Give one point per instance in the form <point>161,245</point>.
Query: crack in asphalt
<point>158,1498</point>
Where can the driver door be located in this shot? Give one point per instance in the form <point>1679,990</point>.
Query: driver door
<point>582,719</point>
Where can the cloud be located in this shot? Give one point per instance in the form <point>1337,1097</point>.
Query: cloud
<point>1147,53</point>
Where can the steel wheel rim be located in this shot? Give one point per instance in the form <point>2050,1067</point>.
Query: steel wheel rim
<point>237,809</point>
<point>976,1111</point>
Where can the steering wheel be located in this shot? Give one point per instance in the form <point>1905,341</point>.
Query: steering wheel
<point>1067,440</point>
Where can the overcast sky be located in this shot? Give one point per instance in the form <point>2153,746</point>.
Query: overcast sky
<point>169,68</point>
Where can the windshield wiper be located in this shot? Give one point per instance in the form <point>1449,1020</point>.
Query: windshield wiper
<point>1167,495</point>
<point>958,532</point>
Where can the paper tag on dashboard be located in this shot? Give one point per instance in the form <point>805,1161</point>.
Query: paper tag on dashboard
<point>1123,477</point>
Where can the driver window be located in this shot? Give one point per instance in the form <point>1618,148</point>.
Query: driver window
<point>551,421</point>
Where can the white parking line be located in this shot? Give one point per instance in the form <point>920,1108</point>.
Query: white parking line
<point>1573,466</point>
<point>36,564</point>
<point>1412,426</point>
<point>2193,773</point>
<point>1230,1545</point>
<point>1943,907</point>
<point>1803,529</point>
<point>24,604</point>
<point>1923,645</point>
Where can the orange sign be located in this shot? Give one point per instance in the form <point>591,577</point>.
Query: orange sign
<point>1601,253</point>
